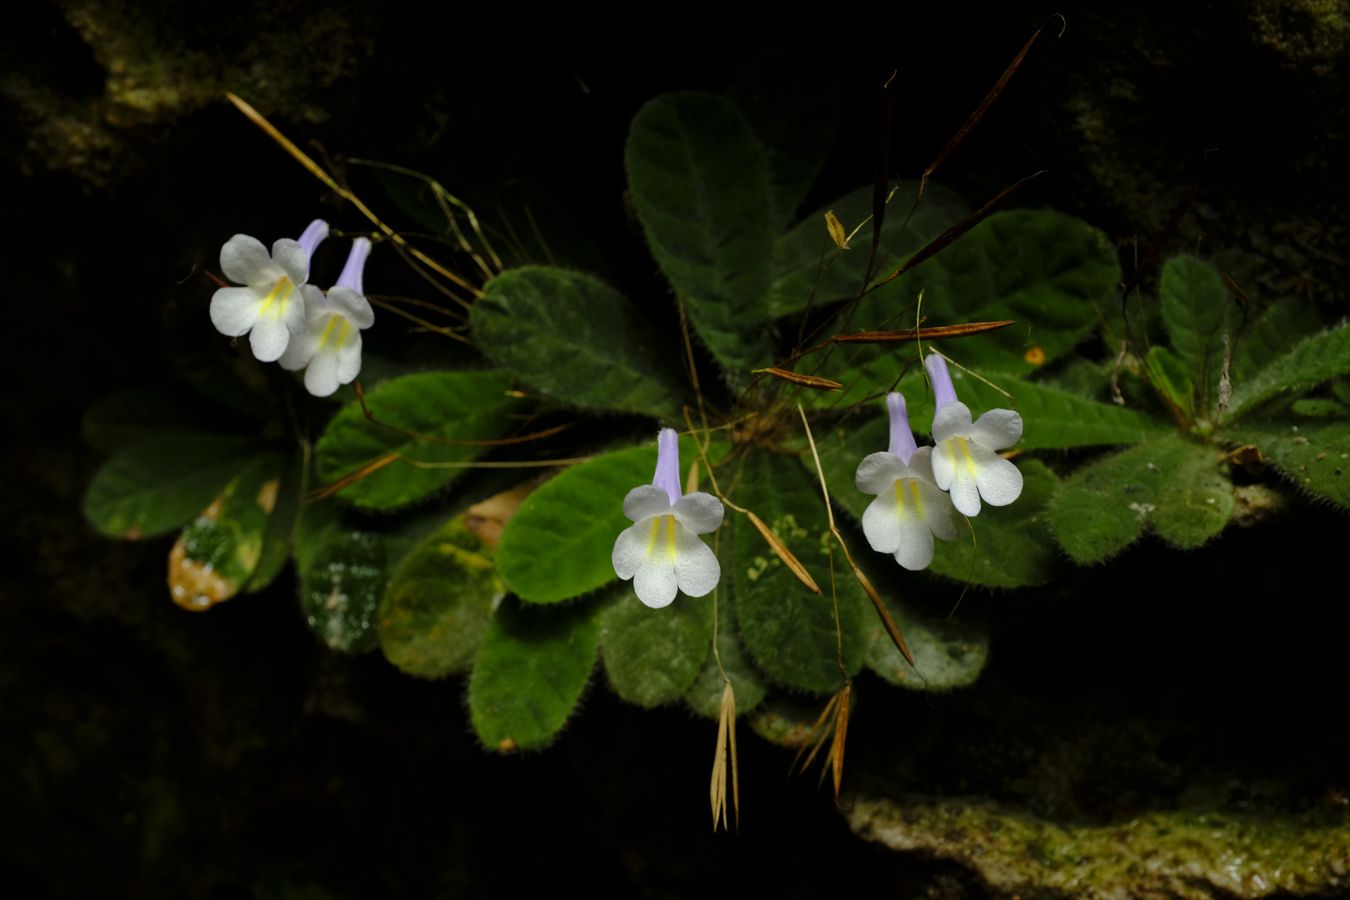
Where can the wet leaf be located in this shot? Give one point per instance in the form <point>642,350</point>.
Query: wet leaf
<point>218,552</point>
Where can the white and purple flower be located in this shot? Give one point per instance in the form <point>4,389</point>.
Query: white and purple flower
<point>909,508</point>
<point>270,307</point>
<point>661,552</point>
<point>965,463</point>
<point>329,346</point>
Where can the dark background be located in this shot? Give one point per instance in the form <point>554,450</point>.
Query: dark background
<point>145,751</point>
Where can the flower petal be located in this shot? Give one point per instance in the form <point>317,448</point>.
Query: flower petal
<point>938,513</point>
<point>997,429</point>
<point>952,419</point>
<point>921,465</point>
<point>655,582</point>
<point>244,260</point>
<point>696,568</point>
<point>234,310</point>
<point>943,464</point>
<point>877,472</point>
<point>999,480</point>
<point>269,338</point>
<point>292,259</point>
<point>321,378</point>
<point>916,543</point>
<point>881,522</point>
<point>630,548</point>
<point>955,460</point>
<point>349,358</point>
<point>699,512</point>
<point>644,501</point>
<point>299,351</point>
<point>352,305</point>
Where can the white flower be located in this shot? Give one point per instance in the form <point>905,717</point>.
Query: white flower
<point>964,461</point>
<point>271,306</point>
<point>661,551</point>
<point>330,344</point>
<point>909,508</point>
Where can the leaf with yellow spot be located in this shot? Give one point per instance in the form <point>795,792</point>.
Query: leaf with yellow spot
<point>436,607</point>
<point>218,552</point>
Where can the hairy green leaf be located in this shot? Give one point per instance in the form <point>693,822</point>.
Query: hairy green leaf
<point>1277,329</point>
<point>1198,312</point>
<point>1313,455</point>
<point>789,631</point>
<point>948,653</point>
<point>1312,361</point>
<point>148,489</point>
<point>700,187</point>
<point>705,695</point>
<point>1197,501</point>
<point>652,656</point>
<point>1106,505</point>
<point>530,672</point>
<point>578,340</point>
<point>809,270</point>
<point>1170,377</point>
<point>437,604</point>
<point>560,541</point>
<point>419,417</point>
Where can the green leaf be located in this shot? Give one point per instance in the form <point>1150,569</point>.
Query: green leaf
<point>559,543</point>
<point>788,630</point>
<point>1169,376</point>
<point>1313,455</point>
<point>791,103</point>
<point>1048,272</point>
<point>652,656</point>
<point>578,340</point>
<point>455,406</point>
<point>1198,312</point>
<point>436,607</point>
<point>948,653</point>
<point>809,270</point>
<point>1314,360</point>
<point>1274,331</point>
<point>1007,547</point>
<point>1105,506</point>
<point>1318,408</point>
<point>1197,501</point>
<point>148,489</point>
<point>217,552</point>
<point>700,188</point>
<point>343,572</point>
<point>705,695</point>
<point>280,531</point>
<point>531,670</point>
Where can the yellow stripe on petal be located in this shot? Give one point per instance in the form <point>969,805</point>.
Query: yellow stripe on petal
<point>651,538</point>
<point>965,454</point>
<point>280,295</point>
<point>918,497</point>
<point>670,538</point>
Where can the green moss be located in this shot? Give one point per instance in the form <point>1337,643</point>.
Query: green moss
<point>1183,854</point>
